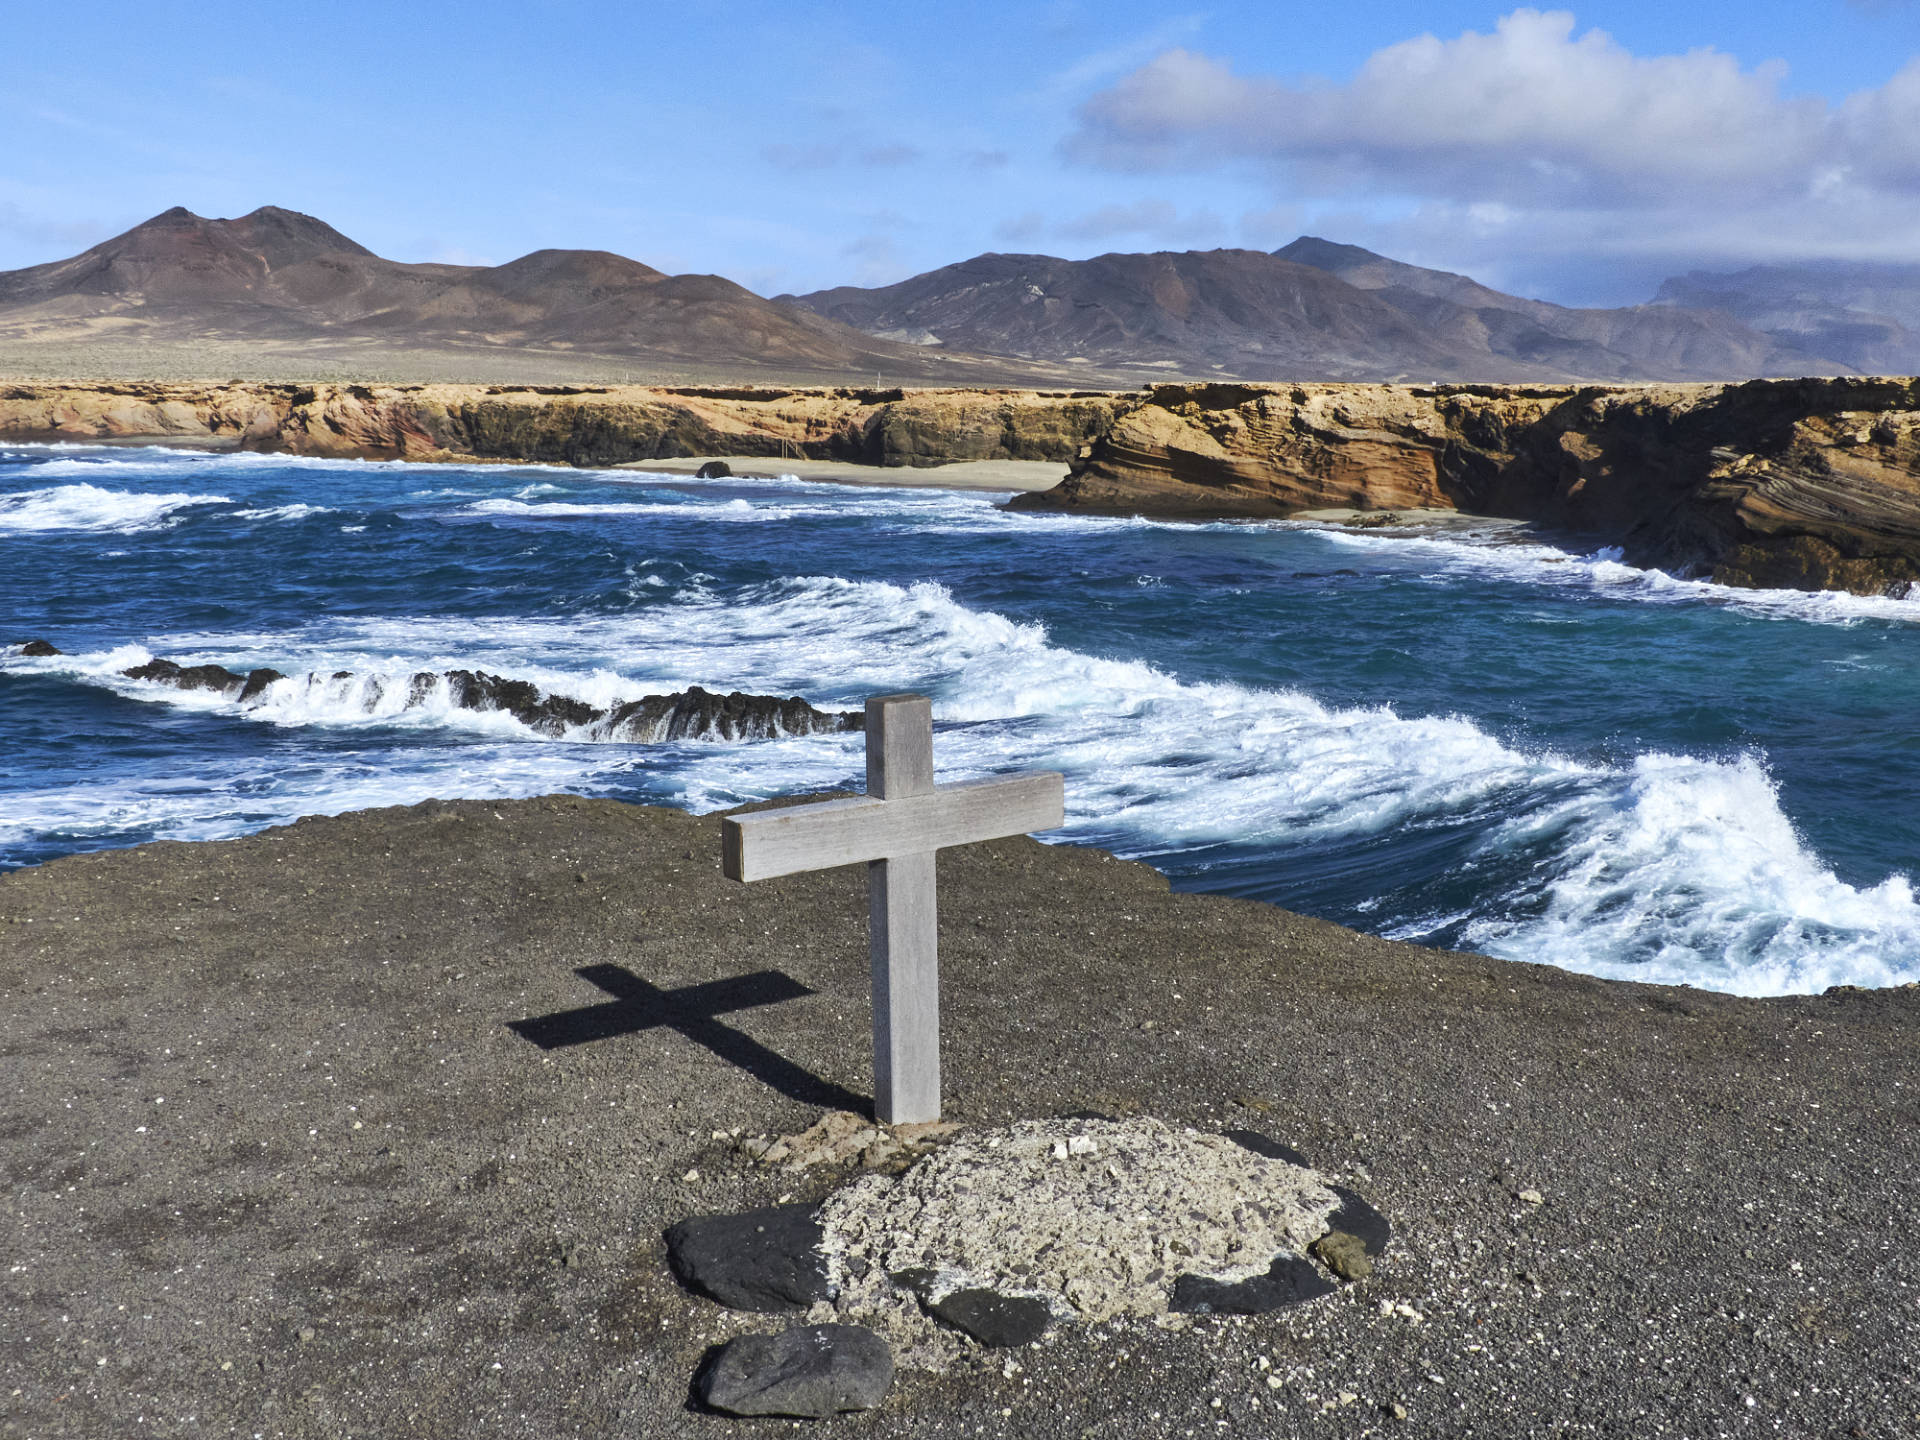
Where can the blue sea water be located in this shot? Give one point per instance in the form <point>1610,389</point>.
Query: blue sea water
<point>1470,739</point>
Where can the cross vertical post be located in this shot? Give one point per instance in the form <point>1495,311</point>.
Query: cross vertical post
<point>903,923</point>
<point>894,830</point>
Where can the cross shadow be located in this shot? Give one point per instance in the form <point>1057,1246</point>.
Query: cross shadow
<point>639,1005</point>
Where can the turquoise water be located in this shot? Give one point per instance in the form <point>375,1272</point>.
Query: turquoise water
<point>1469,740</point>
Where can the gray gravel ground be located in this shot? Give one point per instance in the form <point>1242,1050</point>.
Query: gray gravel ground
<point>279,1166</point>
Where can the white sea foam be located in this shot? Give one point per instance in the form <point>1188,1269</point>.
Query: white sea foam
<point>1686,871</point>
<point>1671,868</point>
<point>86,507</point>
<point>1675,868</point>
<point>724,510</point>
<point>1604,573</point>
<point>283,512</point>
<point>920,508</point>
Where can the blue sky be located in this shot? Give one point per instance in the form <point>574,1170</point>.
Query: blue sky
<point>1577,153</point>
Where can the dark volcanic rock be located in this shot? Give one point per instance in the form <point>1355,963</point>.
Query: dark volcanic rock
<point>995,1320</point>
<point>38,647</point>
<point>691,714</point>
<point>920,1282</point>
<point>764,1260</point>
<point>548,714</point>
<point>697,714</point>
<point>1288,1281</point>
<point>258,680</point>
<point>187,677</point>
<point>812,1371</point>
<point>713,470</point>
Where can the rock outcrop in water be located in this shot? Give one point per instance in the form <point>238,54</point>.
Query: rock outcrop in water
<point>690,714</point>
<point>1810,484</point>
<point>216,678</point>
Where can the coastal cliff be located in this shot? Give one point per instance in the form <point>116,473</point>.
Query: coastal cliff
<point>1810,484</point>
<point>605,425</point>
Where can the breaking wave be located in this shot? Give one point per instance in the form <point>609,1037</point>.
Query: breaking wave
<point>1666,868</point>
<point>84,507</point>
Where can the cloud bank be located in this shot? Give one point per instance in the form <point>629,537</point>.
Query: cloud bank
<point>1539,134</point>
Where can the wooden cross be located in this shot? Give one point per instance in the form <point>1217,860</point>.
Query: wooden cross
<point>896,830</point>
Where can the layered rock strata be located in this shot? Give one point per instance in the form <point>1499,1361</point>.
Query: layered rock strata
<point>590,426</point>
<point>1810,484</point>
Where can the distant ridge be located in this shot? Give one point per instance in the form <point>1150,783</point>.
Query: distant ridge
<point>1864,313</point>
<point>1312,310</point>
<point>282,292</point>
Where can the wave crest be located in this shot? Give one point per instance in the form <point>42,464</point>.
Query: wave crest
<point>84,507</point>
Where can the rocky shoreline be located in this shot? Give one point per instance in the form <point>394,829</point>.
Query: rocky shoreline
<point>1808,484</point>
<point>280,1160</point>
<point>1790,484</point>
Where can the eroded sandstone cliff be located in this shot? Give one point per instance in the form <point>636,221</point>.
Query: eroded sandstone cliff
<point>572,426</point>
<point>1812,484</point>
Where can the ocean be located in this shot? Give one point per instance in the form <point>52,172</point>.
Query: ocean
<point>1475,738</point>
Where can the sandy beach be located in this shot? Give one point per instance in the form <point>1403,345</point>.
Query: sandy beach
<point>280,1166</point>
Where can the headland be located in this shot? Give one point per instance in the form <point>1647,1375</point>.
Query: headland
<point>279,1161</point>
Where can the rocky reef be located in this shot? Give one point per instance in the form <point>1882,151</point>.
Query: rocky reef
<point>1809,484</point>
<point>690,714</point>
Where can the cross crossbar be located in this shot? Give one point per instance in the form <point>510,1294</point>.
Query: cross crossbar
<point>848,832</point>
<point>896,829</point>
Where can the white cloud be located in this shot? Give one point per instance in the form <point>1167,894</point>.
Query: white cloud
<point>1882,130</point>
<point>1539,133</point>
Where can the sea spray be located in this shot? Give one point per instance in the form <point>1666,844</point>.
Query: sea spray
<point>1486,741</point>
<point>90,507</point>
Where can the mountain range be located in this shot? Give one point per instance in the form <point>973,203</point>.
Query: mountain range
<point>1313,310</point>
<point>1865,315</point>
<point>282,284</point>
<point>277,276</point>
